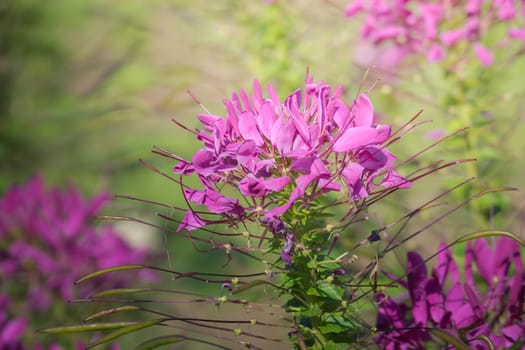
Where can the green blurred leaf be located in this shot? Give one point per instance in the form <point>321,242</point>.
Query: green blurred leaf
<point>450,339</point>
<point>94,327</point>
<point>488,233</point>
<point>312,311</point>
<point>331,291</point>
<point>108,270</point>
<point>111,312</point>
<point>247,286</point>
<point>160,341</point>
<point>337,323</point>
<point>126,330</point>
<point>329,345</point>
<point>313,291</point>
<point>487,340</point>
<point>120,291</point>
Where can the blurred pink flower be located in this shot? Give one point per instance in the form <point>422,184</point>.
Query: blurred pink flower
<point>490,304</point>
<point>49,241</point>
<point>429,29</point>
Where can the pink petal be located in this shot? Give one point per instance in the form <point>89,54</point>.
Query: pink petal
<point>416,278</point>
<point>452,37</point>
<point>12,332</point>
<point>463,316</point>
<point>266,118</point>
<point>341,114</point>
<point>517,33</point>
<point>354,138</point>
<point>190,222</point>
<point>248,128</point>
<point>436,53</point>
<point>445,266</point>
<point>383,133</point>
<point>277,184</point>
<point>354,7</point>
<point>363,111</point>
<point>485,56</point>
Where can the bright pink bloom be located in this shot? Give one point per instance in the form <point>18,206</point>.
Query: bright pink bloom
<point>491,307</point>
<point>264,147</point>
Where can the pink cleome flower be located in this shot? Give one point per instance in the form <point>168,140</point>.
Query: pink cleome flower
<point>489,303</point>
<point>49,241</point>
<point>410,27</point>
<point>275,153</point>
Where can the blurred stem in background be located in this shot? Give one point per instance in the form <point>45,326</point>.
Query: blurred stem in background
<point>25,38</point>
<point>55,97</point>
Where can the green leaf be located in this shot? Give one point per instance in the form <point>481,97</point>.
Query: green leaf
<point>331,328</point>
<point>247,286</point>
<point>330,345</point>
<point>486,340</point>
<point>313,310</point>
<point>126,330</point>
<point>339,328</point>
<point>160,341</point>
<point>93,327</point>
<point>111,311</point>
<point>313,291</point>
<point>450,339</point>
<point>488,233</point>
<point>120,291</point>
<point>312,264</point>
<point>331,291</point>
<point>108,270</point>
<point>337,323</point>
<point>329,265</point>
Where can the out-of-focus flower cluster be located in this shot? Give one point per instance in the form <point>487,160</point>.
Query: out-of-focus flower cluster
<point>47,241</point>
<point>13,328</point>
<point>431,28</point>
<point>487,304</point>
<point>278,154</point>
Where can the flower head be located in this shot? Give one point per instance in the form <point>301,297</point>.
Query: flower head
<point>490,304</point>
<point>276,153</point>
<point>48,242</point>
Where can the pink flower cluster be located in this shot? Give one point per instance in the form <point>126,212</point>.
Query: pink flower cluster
<point>276,153</point>
<point>13,329</point>
<point>430,28</point>
<point>489,303</point>
<point>48,241</point>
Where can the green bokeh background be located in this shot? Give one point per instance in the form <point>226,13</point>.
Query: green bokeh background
<point>89,86</point>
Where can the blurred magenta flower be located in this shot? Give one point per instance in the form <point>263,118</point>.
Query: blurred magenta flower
<point>12,331</point>
<point>489,303</point>
<point>49,241</point>
<point>430,29</point>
